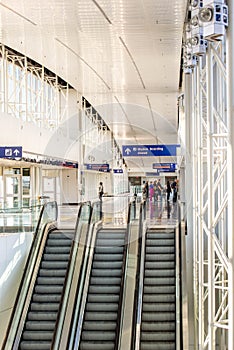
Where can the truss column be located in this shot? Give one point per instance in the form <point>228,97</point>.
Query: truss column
<point>199,226</point>
<point>189,203</point>
<point>230,116</point>
<point>210,179</point>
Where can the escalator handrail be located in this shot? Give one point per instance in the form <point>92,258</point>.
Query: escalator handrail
<point>69,275</point>
<point>82,285</point>
<point>137,315</point>
<point>123,276</point>
<point>26,277</point>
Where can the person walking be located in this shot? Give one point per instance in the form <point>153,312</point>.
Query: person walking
<point>100,191</point>
<point>168,190</point>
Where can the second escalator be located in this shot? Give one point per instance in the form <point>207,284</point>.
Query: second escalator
<point>100,326</point>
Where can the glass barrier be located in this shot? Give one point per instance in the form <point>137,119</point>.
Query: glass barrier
<point>20,219</point>
<point>115,209</point>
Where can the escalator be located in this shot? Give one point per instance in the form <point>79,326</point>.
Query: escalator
<point>43,310</point>
<point>157,293</point>
<point>102,310</point>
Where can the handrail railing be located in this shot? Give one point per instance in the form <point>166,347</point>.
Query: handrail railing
<point>140,273</point>
<point>123,276</point>
<point>46,216</point>
<point>142,218</point>
<point>83,218</point>
<point>74,332</point>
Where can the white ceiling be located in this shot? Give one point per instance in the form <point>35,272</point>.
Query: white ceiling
<point>122,55</point>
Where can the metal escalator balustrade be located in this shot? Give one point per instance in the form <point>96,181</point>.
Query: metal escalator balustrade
<point>43,310</point>
<point>158,324</point>
<point>99,328</point>
<point>156,307</point>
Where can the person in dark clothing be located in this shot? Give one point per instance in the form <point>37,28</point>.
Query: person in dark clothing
<point>100,191</point>
<point>168,190</point>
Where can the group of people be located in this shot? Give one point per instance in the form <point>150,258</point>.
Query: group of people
<point>155,191</point>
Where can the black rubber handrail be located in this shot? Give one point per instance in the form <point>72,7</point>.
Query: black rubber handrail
<point>142,217</point>
<point>27,265</point>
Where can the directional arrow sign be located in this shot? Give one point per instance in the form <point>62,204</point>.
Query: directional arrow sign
<point>11,152</point>
<point>149,150</point>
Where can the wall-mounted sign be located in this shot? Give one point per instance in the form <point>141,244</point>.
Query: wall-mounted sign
<point>149,150</point>
<point>98,167</point>
<point>118,171</point>
<point>11,152</point>
<point>165,167</point>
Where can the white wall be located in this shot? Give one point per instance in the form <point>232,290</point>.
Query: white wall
<point>13,252</point>
<point>69,186</point>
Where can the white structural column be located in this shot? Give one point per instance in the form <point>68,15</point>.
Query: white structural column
<point>230,228</point>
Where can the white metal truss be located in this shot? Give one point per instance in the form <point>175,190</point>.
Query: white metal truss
<point>211,198</point>
<point>30,92</point>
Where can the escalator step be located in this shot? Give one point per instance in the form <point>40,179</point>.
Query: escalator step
<point>160,264</point>
<point>108,250</point>
<point>52,273</point>
<point>55,257</point>
<point>57,250</point>
<point>40,325</point>
<point>157,336</point>
<point>162,307</point>
<point>99,326</point>
<point>168,235</point>
<point>42,316</point>
<point>109,242</point>
<point>58,242</point>
<point>40,307</point>
<point>35,335</point>
<point>109,236</point>
<point>158,326</point>
<point>159,298</point>
<point>159,290</point>
<point>35,345</point>
<point>99,281</point>
<point>96,346</point>
<point>55,265</point>
<point>46,281</point>
<point>100,316</point>
<point>102,307</point>
<point>103,298</point>
<point>48,289</point>
<point>109,257</point>
<point>159,273</point>
<point>106,272</point>
<point>158,317</point>
<point>160,250</point>
<point>98,336</point>
<point>68,235</point>
<point>162,281</point>
<point>107,265</point>
<point>158,346</point>
<point>47,298</point>
<point>104,289</point>
<point>159,257</point>
<point>160,242</point>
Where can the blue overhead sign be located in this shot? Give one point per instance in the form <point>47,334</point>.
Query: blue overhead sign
<point>98,167</point>
<point>165,167</point>
<point>11,152</point>
<point>149,150</point>
<point>118,171</point>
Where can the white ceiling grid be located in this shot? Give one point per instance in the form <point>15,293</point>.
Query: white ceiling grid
<point>123,56</point>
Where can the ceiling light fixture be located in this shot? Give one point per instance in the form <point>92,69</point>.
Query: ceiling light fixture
<point>206,14</point>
